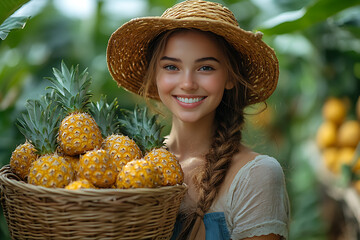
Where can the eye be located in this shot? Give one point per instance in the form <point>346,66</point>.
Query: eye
<point>206,68</point>
<point>170,67</point>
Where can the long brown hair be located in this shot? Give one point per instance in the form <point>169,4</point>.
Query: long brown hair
<point>229,119</point>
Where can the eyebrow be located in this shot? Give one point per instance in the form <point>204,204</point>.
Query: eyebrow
<point>197,60</point>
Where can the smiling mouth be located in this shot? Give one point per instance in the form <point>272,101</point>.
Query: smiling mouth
<point>190,100</point>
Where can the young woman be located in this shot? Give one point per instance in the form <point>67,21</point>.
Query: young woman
<point>205,69</point>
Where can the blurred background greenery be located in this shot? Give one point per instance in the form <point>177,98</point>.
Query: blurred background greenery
<point>317,43</point>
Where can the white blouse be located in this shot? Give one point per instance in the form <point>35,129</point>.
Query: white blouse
<point>257,201</point>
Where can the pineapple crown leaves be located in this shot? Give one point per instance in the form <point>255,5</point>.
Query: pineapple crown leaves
<point>105,115</point>
<point>142,127</point>
<point>72,88</point>
<point>40,124</point>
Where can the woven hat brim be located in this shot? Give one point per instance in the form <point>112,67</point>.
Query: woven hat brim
<point>127,50</point>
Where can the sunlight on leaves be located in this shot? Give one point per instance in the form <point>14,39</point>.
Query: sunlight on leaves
<point>10,24</point>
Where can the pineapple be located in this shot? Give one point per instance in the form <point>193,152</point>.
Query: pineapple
<point>138,173</point>
<point>97,167</point>
<point>167,164</point>
<point>146,132</point>
<point>79,184</point>
<point>78,131</point>
<point>73,160</point>
<point>21,159</point>
<point>40,127</point>
<point>121,148</point>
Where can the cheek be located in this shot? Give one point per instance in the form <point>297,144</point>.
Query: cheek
<point>164,84</point>
<point>215,85</point>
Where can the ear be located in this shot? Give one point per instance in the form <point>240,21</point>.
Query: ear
<point>229,85</point>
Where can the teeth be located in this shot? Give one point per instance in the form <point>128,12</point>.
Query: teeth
<point>189,100</point>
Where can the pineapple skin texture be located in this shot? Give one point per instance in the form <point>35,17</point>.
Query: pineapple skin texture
<point>79,133</point>
<point>122,150</point>
<point>137,173</point>
<point>168,164</point>
<point>97,167</point>
<point>79,184</point>
<point>51,171</point>
<point>22,158</point>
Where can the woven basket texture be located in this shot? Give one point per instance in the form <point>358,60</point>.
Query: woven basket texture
<point>34,212</point>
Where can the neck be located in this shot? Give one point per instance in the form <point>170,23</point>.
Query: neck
<point>190,139</point>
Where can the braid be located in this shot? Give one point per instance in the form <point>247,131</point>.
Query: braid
<point>226,143</point>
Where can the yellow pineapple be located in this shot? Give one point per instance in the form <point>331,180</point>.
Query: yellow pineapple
<point>40,126</point>
<point>121,148</point>
<point>97,167</point>
<point>74,162</point>
<point>79,184</point>
<point>146,132</point>
<point>167,164</point>
<point>51,170</point>
<point>78,131</point>
<point>138,173</point>
<point>21,159</point>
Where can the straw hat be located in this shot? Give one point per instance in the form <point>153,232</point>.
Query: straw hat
<point>128,45</point>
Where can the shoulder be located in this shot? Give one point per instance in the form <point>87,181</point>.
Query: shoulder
<point>263,173</point>
<point>265,163</point>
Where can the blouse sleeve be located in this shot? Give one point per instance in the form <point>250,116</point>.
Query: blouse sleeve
<point>259,203</point>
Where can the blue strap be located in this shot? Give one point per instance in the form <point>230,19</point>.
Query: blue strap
<point>215,226</point>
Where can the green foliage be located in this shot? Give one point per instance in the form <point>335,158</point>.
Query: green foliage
<point>10,24</point>
<point>8,7</point>
<point>319,11</point>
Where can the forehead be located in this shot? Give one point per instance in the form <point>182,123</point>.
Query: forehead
<point>193,42</point>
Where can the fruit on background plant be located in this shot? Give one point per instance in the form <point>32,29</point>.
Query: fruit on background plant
<point>326,135</point>
<point>40,126</point>
<point>78,131</point>
<point>338,136</point>
<point>349,134</point>
<point>335,110</point>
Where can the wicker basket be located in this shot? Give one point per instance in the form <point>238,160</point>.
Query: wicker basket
<point>34,212</point>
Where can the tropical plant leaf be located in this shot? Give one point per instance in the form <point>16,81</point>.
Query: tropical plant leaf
<point>10,24</point>
<point>304,18</point>
<point>8,7</point>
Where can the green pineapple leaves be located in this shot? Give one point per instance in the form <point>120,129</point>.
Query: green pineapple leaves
<point>72,88</point>
<point>40,124</point>
<point>105,115</point>
<point>143,128</point>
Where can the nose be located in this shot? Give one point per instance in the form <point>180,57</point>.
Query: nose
<point>188,82</point>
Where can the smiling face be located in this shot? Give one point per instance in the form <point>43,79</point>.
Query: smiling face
<point>191,75</point>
